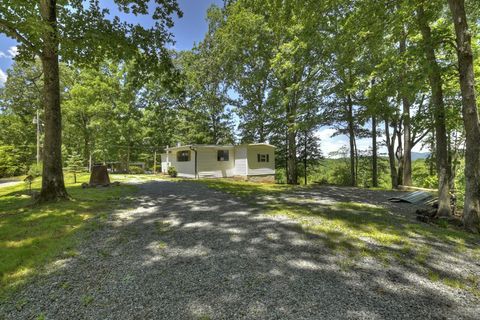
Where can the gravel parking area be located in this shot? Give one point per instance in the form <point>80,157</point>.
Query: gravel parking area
<point>189,252</point>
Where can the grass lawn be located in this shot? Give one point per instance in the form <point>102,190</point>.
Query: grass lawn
<point>31,235</point>
<point>356,230</point>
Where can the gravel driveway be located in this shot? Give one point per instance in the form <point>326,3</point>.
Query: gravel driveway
<point>188,252</point>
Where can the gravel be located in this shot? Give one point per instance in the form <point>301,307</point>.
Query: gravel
<point>189,252</point>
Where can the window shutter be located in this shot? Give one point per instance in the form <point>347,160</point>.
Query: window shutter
<point>268,159</point>
<point>258,157</point>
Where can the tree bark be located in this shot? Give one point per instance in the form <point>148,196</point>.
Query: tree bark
<point>53,186</point>
<point>305,158</point>
<point>407,139</point>
<point>435,79</point>
<point>399,154</point>
<point>471,209</point>
<point>292,174</point>
<point>374,153</point>
<point>351,136</point>
<point>391,154</point>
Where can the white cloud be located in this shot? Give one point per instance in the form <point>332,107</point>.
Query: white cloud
<point>325,133</point>
<point>3,78</point>
<point>329,144</point>
<point>13,51</point>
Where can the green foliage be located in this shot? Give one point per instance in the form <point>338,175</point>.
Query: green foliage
<point>35,170</point>
<point>10,161</point>
<point>280,176</point>
<point>422,177</point>
<point>172,172</point>
<point>74,162</point>
<point>136,170</point>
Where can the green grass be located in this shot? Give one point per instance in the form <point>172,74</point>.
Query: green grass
<point>32,236</point>
<point>356,230</point>
<point>245,188</point>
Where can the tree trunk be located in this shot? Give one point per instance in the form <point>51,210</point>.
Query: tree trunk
<point>407,139</point>
<point>391,154</point>
<point>435,79</point>
<point>53,186</point>
<point>471,209</point>
<point>305,146</point>
<point>286,153</point>
<point>399,155</point>
<point>351,136</point>
<point>292,175</point>
<point>374,153</point>
<point>128,158</point>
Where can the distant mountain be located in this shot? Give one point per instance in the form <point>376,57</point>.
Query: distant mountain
<point>420,155</point>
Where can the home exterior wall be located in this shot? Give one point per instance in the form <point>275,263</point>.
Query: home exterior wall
<point>256,168</point>
<point>240,161</point>
<point>208,165</point>
<point>184,168</point>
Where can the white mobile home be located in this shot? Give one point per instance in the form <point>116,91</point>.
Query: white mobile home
<point>254,161</point>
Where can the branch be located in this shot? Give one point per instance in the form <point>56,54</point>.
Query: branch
<point>414,142</point>
<point>12,32</point>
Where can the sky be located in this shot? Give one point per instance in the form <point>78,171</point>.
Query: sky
<point>187,31</point>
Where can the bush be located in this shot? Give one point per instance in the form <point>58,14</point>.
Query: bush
<point>35,170</point>
<point>136,170</point>
<point>10,162</point>
<point>280,176</point>
<point>172,172</point>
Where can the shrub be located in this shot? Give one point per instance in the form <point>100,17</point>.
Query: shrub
<point>136,170</point>
<point>280,176</point>
<point>10,162</point>
<point>35,170</point>
<point>172,172</point>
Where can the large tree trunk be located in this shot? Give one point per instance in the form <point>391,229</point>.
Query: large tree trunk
<point>391,154</point>
<point>374,153</point>
<point>471,209</point>
<point>351,136</point>
<point>407,139</point>
<point>435,79</point>
<point>53,187</point>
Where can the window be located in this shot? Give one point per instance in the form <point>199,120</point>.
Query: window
<point>222,155</point>
<point>263,157</point>
<point>183,156</point>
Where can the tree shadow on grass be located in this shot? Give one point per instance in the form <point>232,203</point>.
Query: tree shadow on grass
<point>188,252</point>
<point>32,235</point>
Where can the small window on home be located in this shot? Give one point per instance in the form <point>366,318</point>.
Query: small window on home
<point>263,157</point>
<point>183,156</point>
<point>222,155</point>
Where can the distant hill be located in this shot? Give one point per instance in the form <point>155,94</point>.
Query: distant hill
<point>420,155</point>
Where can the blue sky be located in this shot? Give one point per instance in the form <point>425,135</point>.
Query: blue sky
<point>188,30</point>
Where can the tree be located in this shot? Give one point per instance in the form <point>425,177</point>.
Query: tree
<point>435,79</point>
<point>245,45</point>
<point>471,211</point>
<point>74,164</point>
<point>41,27</point>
